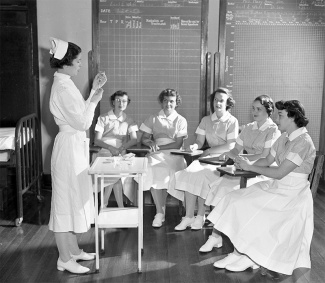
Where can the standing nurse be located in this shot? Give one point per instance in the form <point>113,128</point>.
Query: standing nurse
<point>72,207</point>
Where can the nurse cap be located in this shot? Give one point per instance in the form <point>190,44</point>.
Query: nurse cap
<point>59,48</point>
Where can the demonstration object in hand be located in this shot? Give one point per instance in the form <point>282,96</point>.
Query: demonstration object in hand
<point>102,79</point>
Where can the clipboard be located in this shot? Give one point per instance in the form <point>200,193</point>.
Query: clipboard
<point>187,153</point>
<point>211,160</point>
<point>215,161</point>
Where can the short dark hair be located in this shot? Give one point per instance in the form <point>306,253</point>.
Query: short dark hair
<point>230,100</point>
<point>72,52</point>
<point>295,110</point>
<point>267,102</point>
<point>170,92</point>
<point>119,93</point>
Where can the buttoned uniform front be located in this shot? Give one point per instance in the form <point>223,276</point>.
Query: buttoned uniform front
<point>272,221</point>
<point>116,131</point>
<point>254,140</point>
<point>161,164</point>
<point>72,204</point>
<point>197,177</point>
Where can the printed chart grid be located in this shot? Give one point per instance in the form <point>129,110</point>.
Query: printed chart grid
<point>145,49</point>
<point>279,53</point>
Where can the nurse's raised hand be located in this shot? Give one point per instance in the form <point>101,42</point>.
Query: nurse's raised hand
<point>99,80</point>
<point>97,96</point>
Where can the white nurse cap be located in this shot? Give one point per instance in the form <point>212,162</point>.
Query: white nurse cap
<point>59,48</point>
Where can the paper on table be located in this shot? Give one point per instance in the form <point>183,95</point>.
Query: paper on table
<point>128,156</point>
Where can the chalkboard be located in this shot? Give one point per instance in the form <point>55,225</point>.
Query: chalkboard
<point>147,46</point>
<point>275,48</point>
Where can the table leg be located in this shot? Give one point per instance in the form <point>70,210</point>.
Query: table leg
<point>96,223</point>
<point>140,221</point>
<point>102,238</point>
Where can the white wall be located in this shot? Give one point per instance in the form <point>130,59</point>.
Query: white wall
<point>69,20</point>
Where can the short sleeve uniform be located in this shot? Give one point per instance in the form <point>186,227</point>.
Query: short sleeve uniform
<point>165,129</point>
<point>297,149</point>
<point>162,165</point>
<point>196,178</point>
<point>272,221</point>
<point>115,130</point>
<point>254,140</point>
<point>218,131</point>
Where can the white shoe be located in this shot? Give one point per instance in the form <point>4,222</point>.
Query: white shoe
<point>229,259</point>
<point>72,266</point>
<point>186,222</point>
<point>242,264</point>
<point>198,223</point>
<point>158,221</point>
<point>84,256</point>
<point>211,243</point>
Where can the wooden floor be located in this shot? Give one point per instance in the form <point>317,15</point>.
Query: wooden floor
<point>28,253</point>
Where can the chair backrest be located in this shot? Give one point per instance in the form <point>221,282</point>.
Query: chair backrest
<point>139,136</point>
<point>316,173</point>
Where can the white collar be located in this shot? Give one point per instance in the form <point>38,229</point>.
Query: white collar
<point>267,123</point>
<point>171,117</point>
<point>223,118</point>
<point>296,133</point>
<point>112,116</point>
<point>61,75</point>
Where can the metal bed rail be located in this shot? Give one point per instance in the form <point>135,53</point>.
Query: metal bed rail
<point>28,160</point>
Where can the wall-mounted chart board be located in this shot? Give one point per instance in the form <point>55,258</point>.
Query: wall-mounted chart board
<point>147,46</point>
<point>277,48</point>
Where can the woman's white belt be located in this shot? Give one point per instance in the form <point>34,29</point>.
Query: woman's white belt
<point>298,175</point>
<point>67,128</point>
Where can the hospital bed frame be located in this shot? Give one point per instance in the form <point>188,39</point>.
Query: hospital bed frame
<point>26,159</point>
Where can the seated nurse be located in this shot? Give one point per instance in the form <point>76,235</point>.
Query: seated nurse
<point>163,132</point>
<point>220,130</point>
<point>271,222</point>
<point>256,139</point>
<point>115,131</point>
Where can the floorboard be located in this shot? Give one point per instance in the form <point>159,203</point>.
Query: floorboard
<point>28,253</point>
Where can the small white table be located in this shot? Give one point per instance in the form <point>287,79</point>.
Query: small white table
<point>114,217</point>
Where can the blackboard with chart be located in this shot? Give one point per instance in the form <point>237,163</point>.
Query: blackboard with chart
<point>147,46</point>
<point>275,48</point>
